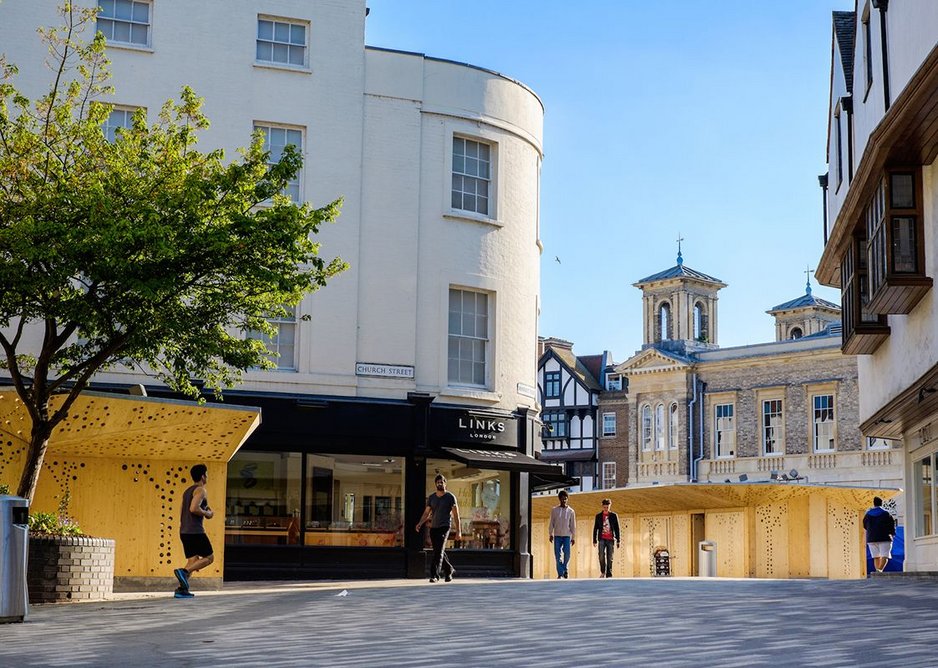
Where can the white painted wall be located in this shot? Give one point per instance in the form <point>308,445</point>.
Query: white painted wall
<point>911,27</point>
<point>911,348</point>
<point>379,128</point>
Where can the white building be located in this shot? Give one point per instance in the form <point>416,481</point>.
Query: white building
<point>429,340</point>
<point>880,243</point>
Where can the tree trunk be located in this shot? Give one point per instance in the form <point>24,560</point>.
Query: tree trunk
<point>38,444</point>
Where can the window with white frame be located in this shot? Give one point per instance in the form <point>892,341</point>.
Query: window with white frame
<point>772,427</point>
<point>823,420</point>
<point>282,344</point>
<point>609,424</point>
<point>276,139</point>
<point>923,479</point>
<point>281,41</point>
<point>468,337</point>
<point>672,426</point>
<point>120,118</point>
<point>878,443</point>
<point>472,175</point>
<point>614,383</point>
<point>724,430</point>
<point>125,21</point>
<point>660,443</point>
<point>555,424</point>
<point>646,427</point>
<point>609,475</point>
<point>551,384</point>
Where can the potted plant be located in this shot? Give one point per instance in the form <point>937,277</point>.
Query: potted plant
<point>65,564</point>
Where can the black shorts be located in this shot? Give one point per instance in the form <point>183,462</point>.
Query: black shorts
<point>196,545</point>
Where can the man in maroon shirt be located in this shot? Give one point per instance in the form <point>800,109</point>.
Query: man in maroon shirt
<point>606,536</point>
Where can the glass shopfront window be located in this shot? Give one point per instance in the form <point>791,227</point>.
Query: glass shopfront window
<point>354,501</point>
<point>923,476</point>
<point>484,499</point>
<point>263,503</point>
<point>350,501</point>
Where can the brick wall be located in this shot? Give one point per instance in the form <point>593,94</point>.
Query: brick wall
<point>793,378</point>
<point>614,448</point>
<point>69,568</point>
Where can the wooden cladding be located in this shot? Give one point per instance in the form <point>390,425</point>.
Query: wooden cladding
<point>895,242</point>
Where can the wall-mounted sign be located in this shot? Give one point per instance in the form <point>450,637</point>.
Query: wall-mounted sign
<point>472,426</point>
<point>384,370</point>
<point>526,390</point>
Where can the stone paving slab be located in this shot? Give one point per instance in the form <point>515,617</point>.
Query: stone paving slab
<point>664,622</point>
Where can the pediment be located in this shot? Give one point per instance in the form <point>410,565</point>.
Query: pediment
<point>651,361</point>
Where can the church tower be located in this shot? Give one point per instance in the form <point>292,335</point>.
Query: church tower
<point>803,316</point>
<point>679,309</point>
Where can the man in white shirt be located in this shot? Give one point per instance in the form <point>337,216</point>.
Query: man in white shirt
<point>562,532</point>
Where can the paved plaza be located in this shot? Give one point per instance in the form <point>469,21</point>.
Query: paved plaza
<point>662,622</point>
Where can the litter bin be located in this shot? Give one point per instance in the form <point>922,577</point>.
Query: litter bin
<point>14,548</point>
<point>707,559</point>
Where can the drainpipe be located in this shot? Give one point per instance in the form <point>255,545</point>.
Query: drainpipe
<point>690,431</point>
<point>700,424</point>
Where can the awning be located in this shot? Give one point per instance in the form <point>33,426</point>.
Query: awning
<point>545,482</point>
<point>577,455</point>
<point>502,460</point>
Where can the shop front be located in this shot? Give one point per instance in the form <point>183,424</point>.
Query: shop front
<point>333,488</point>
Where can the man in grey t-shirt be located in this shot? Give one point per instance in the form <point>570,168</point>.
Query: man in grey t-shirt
<point>441,506</point>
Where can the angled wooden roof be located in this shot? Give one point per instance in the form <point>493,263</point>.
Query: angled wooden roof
<point>110,425</point>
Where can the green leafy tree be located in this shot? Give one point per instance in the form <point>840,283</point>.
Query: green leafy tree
<point>143,250</point>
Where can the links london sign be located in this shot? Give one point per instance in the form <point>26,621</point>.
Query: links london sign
<point>384,370</point>
<point>480,428</point>
<point>451,426</point>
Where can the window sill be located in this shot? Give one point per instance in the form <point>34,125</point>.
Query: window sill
<point>471,217</point>
<point>472,393</point>
<point>282,67</point>
<point>130,47</point>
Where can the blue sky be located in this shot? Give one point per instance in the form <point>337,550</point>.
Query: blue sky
<point>704,119</point>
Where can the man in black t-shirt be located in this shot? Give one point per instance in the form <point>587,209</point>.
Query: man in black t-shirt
<point>441,506</point>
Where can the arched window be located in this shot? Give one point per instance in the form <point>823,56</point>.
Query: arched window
<point>672,426</point>
<point>646,427</point>
<point>659,427</point>
<point>795,333</point>
<point>664,322</point>
<point>701,323</point>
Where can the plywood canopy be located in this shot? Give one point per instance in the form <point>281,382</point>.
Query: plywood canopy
<point>120,426</point>
<point>708,496</point>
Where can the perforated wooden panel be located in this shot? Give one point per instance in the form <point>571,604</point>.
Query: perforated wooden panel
<point>771,527</point>
<point>124,463</point>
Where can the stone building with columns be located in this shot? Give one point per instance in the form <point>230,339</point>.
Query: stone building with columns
<point>781,410</point>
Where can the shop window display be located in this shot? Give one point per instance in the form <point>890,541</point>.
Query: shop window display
<point>350,501</point>
<point>354,501</point>
<point>263,502</point>
<point>484,498</point>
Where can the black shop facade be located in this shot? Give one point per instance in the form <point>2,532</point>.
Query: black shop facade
<point>333,487</point>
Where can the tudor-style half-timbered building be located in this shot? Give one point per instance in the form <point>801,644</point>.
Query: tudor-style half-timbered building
<point>568,393</point>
